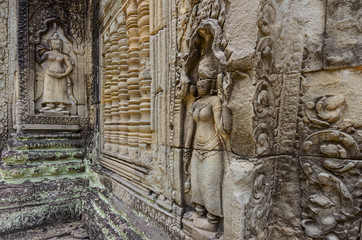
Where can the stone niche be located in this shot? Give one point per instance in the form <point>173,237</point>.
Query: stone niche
<point>59,72</point>
<point>50,79</point>
<point>54,86</point>
<point>54,62</point>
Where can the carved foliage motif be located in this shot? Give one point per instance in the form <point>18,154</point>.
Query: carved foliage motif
<point>331,198</point>
<point>331,186</point>
<point>324,132</point>
<point>70,12</point>
<point>3,70</point>
<point>258,208</point>
<point>268,85</point>
<point>279,59</point>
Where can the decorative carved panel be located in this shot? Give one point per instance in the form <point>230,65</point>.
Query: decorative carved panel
<point>4,71</point>
<point>53,62</point>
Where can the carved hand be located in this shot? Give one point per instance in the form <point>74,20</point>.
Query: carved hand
<point>183,86</point>
<point>40,49</point>
<point>187,160</point>
<point>56,75</point>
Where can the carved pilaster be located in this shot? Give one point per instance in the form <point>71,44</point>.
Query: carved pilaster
<point>144,76</point>
<point>133,73</point>
<point>122,86</point>
<point>107,92</point>
<point>113,38</point>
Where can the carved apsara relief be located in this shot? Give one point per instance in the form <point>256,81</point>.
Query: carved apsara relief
<point>204,89</point>
<point>55,72</point>
<point>51,40</point>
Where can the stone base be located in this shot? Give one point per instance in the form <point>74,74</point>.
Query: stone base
<point>196,233</point>
<point>54,113</point>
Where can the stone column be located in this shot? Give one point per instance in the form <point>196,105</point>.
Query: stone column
<point>107,92</point>
<point>122,86</point>
<point>133,77</point>
<point>144,76</point>
<point>114,71</point>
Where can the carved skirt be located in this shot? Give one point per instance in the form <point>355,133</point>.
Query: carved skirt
<point>207,170</point>
<point>55,90</point>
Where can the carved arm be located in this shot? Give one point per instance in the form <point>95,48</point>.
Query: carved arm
<point>40,56</point>
<point>189,140</point>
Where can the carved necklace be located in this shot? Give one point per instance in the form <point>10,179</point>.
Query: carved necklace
<point>203,102</point>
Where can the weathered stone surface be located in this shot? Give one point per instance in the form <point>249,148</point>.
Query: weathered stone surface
<point>238,181</point>
<point>330,115</point>
<point>343,42</point>
<point>331,197</point>
<point>53,232</point>
<point>4,70</point>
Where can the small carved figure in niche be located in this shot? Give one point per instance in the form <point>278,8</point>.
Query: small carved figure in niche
<point>57,91</point>
<point>207,137</point>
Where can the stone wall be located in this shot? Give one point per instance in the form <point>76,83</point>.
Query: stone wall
<point>43,163</point>
<point>283,91</point>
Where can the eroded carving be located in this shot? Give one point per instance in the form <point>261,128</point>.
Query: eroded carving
<point>258,208</point>
<point>72,12</point>
<point>205,87</point>
<point>331,200</point>
<point>56,92</point>
<point>3,71</point>
<point>323,130</point>
<point>331,188</point>
<point>343,30</point>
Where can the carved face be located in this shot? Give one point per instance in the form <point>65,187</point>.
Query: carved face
<point>204,86</point>
<point>56,44</point>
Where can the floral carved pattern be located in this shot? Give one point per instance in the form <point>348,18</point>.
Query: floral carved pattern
<point>70,12</point>
<point>331,179</point>
<point>3,71</point>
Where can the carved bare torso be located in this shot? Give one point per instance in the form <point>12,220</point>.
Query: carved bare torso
<point>56,61</point>
<point>206,136</point>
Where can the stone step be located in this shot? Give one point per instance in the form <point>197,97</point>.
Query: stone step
<point>62,231</point>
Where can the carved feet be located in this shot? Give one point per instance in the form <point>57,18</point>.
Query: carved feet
<point>201,224</point>
<point>51,109</point>
<point>205,220</point>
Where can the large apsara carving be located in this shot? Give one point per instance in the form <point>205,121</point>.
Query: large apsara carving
<point>55,87</point>
<point>204,88</point>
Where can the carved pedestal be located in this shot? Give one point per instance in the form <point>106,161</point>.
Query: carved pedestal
<point>196,233</point>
